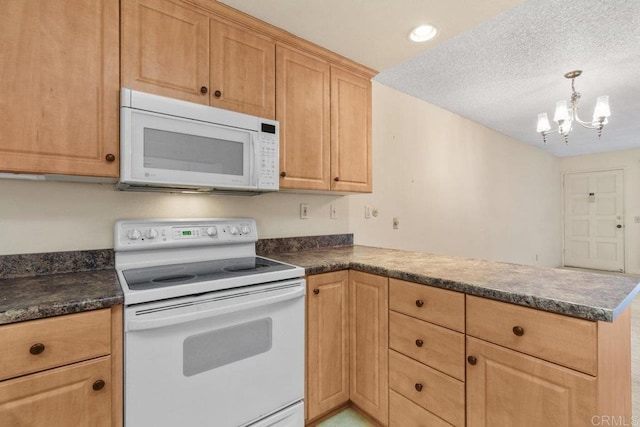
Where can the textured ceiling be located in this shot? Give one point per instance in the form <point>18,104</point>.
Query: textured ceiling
<point>510,68</point>
<point>372,32</point>
<point>497,62</point>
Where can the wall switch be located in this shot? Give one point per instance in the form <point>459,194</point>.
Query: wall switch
<point>334,211</point>
<point>367,211</point>
<point>304,211</point>
<point>396,222</point>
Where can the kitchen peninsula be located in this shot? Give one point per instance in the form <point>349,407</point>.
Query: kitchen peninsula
<point>411,322</point>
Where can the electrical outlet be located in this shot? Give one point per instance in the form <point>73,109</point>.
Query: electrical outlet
<point>334,211</point>
<point>396,222</point>
<point>304,211</point>
<point>367,211</point>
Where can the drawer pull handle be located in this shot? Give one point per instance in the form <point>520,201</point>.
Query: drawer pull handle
<point>316,291</point>
<point>472,360</point>
<point>419,343</point>
<point>98,385</point>
<point>419,303</point>
<point>36,349</point>
<point>518,330</point>
<point>418,387</point>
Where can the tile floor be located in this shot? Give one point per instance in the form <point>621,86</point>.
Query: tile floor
<point>346,418</point>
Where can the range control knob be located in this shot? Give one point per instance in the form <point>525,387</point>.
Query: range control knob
<point>245,229</point>
<point>212,231</point>
<point>134,234</point>
<point>151,233</point>
<point>233,230</point>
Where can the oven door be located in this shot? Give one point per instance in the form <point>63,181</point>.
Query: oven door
<point>221,359</point>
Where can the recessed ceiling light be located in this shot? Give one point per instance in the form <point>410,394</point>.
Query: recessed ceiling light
<point>422,33</point>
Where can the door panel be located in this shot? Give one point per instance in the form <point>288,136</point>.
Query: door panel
<point>594,220</point>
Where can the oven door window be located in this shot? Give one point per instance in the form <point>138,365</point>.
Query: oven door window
<point>211,350</point>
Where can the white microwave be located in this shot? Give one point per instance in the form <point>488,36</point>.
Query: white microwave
<point>172,145</point>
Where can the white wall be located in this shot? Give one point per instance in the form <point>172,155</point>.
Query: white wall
<point>55,216</point>
<point>629,162</point>
<point>457,187</point>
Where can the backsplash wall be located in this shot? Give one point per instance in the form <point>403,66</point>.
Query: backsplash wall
<point>38,216</point>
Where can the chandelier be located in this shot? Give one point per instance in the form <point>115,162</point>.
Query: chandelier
<point>566,115</point>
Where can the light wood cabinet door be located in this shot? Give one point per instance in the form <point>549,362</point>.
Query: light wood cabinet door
<point>243,70</point>
<point>59,87</point>
<point>369,331</point>
<point>63,397</point>
<point>507,388</point>
<point>302,107</point>
<point>327,342</point>
<point>165,49</point>
<point>350,131</point>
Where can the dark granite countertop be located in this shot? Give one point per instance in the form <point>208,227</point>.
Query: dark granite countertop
<point>580,294</point>
<point>28,298</point>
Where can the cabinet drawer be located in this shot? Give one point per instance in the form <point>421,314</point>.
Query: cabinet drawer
<point>553,337</point>
<point>55,341</point>
<point>434,391</point>
<point>439,306</point>
<point>438,347</point>
<point>405,413</point>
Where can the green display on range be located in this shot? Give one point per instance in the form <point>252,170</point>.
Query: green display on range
<point>186,233</point>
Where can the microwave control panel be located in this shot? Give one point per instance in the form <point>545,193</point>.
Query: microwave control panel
<point>268,166</point>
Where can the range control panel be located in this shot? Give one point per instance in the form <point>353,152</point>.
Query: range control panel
<point>159,233</point>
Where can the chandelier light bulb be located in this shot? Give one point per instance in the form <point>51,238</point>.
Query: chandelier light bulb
<point>543,123</point>
<point>602,110</point>
<point>562,112</point>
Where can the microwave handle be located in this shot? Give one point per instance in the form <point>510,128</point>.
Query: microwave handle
<point>254,161</point>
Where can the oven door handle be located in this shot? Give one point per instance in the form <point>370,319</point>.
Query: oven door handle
<point>219,310</point>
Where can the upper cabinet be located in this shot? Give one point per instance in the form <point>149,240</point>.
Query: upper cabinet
<point>325,124</point>
<point>60,88</point>
<point>181,52</point>
<point>350,131</point>
<point>303,109</point>
<point>165,49</point>
<point>243,73</point>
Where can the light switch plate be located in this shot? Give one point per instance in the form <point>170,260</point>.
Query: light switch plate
<point>304,211</point>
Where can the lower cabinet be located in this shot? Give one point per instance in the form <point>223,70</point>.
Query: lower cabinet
<point>369,331</point>
<point>62,371</point>
<point>422,356</point>
<point>327,342</point>
<point>508,388</point>
<point>347,327</point>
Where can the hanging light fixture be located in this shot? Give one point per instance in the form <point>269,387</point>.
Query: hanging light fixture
<point>566,115</point>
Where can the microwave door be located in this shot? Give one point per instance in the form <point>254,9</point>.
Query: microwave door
<point>169,150</point>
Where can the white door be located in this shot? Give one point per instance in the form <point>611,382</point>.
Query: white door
<point>593,220</point>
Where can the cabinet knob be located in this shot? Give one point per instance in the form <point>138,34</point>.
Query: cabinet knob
<point>337,178</point>
<point>217,94</point>
<point>619,226</point>
<point>418,387</point>
<point>419,303</point>
<point>316,291</point>
<point>518,330</point>
<point>472,360</point>
<point>419,343</point>
<point>110,157</point>
<point>36,349</point>
<point>98,385</point>
<point>204,90</point>
<point>283,174</point>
